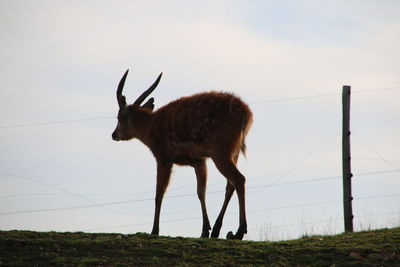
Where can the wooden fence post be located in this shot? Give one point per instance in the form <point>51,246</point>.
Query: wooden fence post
<point>346,159</point>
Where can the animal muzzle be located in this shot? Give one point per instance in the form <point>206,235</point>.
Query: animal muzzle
<point>115,136</point>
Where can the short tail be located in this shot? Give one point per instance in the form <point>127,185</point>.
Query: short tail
<point>243,147</point>
<point>247,122</point>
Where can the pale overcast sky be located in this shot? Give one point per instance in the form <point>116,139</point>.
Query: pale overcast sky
<point>60,62</point>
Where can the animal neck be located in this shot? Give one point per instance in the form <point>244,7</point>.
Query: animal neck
<point>142,122</point>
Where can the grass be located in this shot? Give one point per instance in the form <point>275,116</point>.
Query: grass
<point>24,248</point>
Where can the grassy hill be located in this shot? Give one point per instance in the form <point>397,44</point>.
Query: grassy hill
<point>23,248</point>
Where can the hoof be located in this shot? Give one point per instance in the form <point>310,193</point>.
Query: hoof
<point>154,232</point>
<point>215,234</point>
<point>238,236</point>
<point>230,235</point>
<point>205,234</point>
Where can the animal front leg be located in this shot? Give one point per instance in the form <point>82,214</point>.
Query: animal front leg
<point>163,177</point>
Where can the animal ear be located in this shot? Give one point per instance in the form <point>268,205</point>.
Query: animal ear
<point>149,104</point>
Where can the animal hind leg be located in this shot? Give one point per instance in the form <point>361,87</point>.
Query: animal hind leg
<point>218,223</point>
<point>228,168</point>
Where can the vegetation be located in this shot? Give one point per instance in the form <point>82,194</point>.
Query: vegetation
<point>23,248</point>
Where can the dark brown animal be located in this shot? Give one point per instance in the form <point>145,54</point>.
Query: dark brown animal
<point>187,131</point>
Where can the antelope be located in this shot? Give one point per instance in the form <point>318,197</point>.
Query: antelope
<point>187,131</point>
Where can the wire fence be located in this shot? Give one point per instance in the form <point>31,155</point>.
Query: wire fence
<point>252,189</point>
<point>94,204</point>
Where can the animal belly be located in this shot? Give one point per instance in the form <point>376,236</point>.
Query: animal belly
<point>191,150</point>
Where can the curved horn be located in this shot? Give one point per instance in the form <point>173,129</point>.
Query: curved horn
<point>120,98</point>
<point>146,93</point>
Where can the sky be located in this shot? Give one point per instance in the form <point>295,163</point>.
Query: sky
<point>60,63</point>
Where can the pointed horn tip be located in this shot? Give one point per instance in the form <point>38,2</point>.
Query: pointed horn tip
<point>159,76</point>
